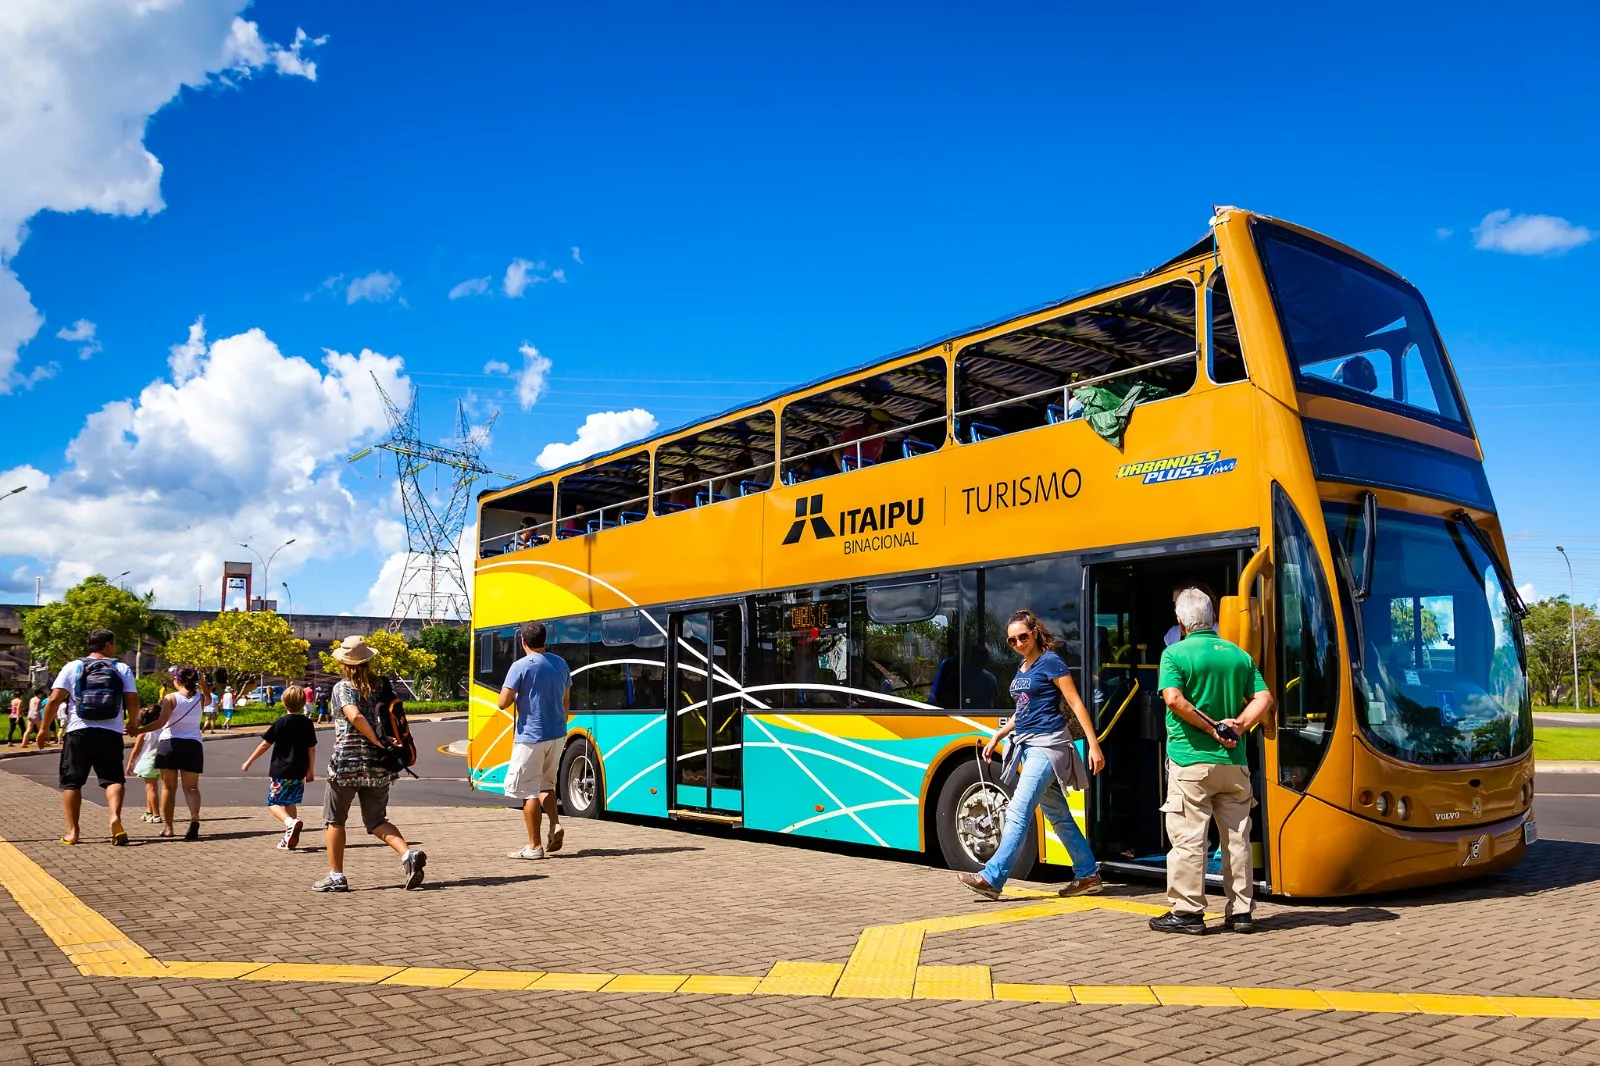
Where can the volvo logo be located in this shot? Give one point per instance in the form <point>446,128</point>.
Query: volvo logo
<point>1447,816</point>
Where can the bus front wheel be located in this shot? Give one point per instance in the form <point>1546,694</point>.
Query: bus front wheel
<point>580,781</point>
<point>969,816</point>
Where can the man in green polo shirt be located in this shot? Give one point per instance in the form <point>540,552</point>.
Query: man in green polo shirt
<point>1214,695</point>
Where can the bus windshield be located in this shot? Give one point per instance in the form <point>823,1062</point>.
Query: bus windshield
<point>1356,332</point>
<point>1441,678</point>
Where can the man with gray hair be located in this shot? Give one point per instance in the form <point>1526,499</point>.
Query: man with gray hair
<point>1214,695</point>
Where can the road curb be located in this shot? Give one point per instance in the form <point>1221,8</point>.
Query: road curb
<point>1545,767</point>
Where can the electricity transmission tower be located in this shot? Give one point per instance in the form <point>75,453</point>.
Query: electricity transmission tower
<point>432,584</point>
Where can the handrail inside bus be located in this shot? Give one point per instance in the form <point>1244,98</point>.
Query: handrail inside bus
<point>1066,390</point>
<point>856,444</point>
<point>1134,691</point>
<point>709,483</point>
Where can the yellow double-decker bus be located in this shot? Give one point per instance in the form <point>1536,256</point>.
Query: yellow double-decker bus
<point>790,617</point>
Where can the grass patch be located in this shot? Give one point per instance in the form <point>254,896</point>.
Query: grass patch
<point>1577,743</point>
<point>1566,709</point>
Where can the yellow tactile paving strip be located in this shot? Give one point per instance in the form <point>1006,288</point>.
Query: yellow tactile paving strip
<point>884,965</point>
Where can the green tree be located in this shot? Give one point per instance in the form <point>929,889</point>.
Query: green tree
<point>1402,623</point>
<point>249,645</point>
<point>395,658</point>
<point>57,632</point>
<point>450,647</point>
<point>1547,633</point>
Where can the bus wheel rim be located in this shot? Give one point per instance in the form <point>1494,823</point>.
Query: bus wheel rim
<point>979,815</point>
<point>581,783</point>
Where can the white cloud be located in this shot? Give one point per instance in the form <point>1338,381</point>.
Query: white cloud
<point>576,258</point>
<point>241,443</point>
<point>521,274</point>
<point>1444,233</point>
<point>377,287</point>
<point>1528,593</point>
<point>380,597</point>
<point>81,331</point>
<point>558,275</point>
<point>470,287</point>
<point>79,80</point>
<point>600,432</point>
<point>497,366</point>
<point>244,52</point>
<point>533,376</point>
<point>1501,231</point>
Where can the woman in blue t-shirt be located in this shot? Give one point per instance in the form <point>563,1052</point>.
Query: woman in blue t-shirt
<point>1042,758</point>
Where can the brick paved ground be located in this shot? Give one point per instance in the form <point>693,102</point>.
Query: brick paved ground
<point>624,898</point>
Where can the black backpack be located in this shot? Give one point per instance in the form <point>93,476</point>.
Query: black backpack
<point>99,689</point>
<point>398,750</point>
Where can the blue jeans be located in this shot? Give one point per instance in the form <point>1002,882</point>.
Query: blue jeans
<point>1037,787</point>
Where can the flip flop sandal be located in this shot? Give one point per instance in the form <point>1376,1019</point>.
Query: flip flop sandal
<point>119,838</point>
<point>64,842</point>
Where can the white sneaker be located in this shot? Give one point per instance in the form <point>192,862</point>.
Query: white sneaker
<point>527,852</point>
<point>283,845</point>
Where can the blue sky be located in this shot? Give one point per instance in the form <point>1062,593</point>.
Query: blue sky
<point>759,194</point>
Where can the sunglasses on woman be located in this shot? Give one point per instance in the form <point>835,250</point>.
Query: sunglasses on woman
<point>1019,639</point>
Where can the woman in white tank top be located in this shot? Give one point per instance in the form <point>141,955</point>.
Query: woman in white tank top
<point>180,753</point>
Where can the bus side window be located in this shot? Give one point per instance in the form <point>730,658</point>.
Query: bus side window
<point>1308,663</point>
<point>1224,357</point>
<point>906,632</point>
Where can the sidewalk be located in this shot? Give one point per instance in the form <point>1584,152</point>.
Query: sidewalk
<point>659,944</point>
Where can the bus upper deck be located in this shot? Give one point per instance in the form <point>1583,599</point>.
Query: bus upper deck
<point>1267,396</point>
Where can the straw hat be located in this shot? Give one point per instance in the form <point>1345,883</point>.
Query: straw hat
<point>352,651</point>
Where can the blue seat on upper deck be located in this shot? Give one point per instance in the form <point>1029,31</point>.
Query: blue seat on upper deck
<point>908,448</point>
<point>750,488</point>
<point>981,431</point>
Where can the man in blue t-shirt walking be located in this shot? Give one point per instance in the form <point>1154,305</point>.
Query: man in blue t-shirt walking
<point>540,685</point>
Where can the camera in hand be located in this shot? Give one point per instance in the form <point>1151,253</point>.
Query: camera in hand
<point>1227,732</point>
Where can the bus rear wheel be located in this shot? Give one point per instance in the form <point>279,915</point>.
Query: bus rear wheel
<point>969,817</point>
<point>580,781</point>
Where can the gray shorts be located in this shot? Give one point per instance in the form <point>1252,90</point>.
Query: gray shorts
<point>336,800</point>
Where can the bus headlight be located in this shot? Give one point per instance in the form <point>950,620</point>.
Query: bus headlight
<point>1385,801</point>
<point>1404,809</point>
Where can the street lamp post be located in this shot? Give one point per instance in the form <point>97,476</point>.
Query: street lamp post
<point>13,492</point>
<point>1572,610</point>
<point>290,597</point>
<point>266,564</point>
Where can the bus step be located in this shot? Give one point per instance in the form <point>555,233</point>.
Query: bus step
<point>706,816</point>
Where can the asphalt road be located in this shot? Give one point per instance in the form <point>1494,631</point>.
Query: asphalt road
<point>441,778</point>
<point>1566,806</point>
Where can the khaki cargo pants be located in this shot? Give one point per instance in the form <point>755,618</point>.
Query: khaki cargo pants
<point>1195,796</point>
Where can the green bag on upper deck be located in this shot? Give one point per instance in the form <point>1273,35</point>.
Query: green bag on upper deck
<point>1109,408</point>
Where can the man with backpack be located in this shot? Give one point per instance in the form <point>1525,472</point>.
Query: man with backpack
<point>98,691</point>
<point>540,686</point>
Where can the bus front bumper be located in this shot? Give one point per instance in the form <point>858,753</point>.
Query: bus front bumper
<point>1325,851</point>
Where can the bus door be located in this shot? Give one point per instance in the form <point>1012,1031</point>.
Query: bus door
<point>705,702</point>
<point>1129,623</point>
<point>1125,820</point>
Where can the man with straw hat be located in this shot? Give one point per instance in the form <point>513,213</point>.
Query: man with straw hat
<point>358,769</point>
